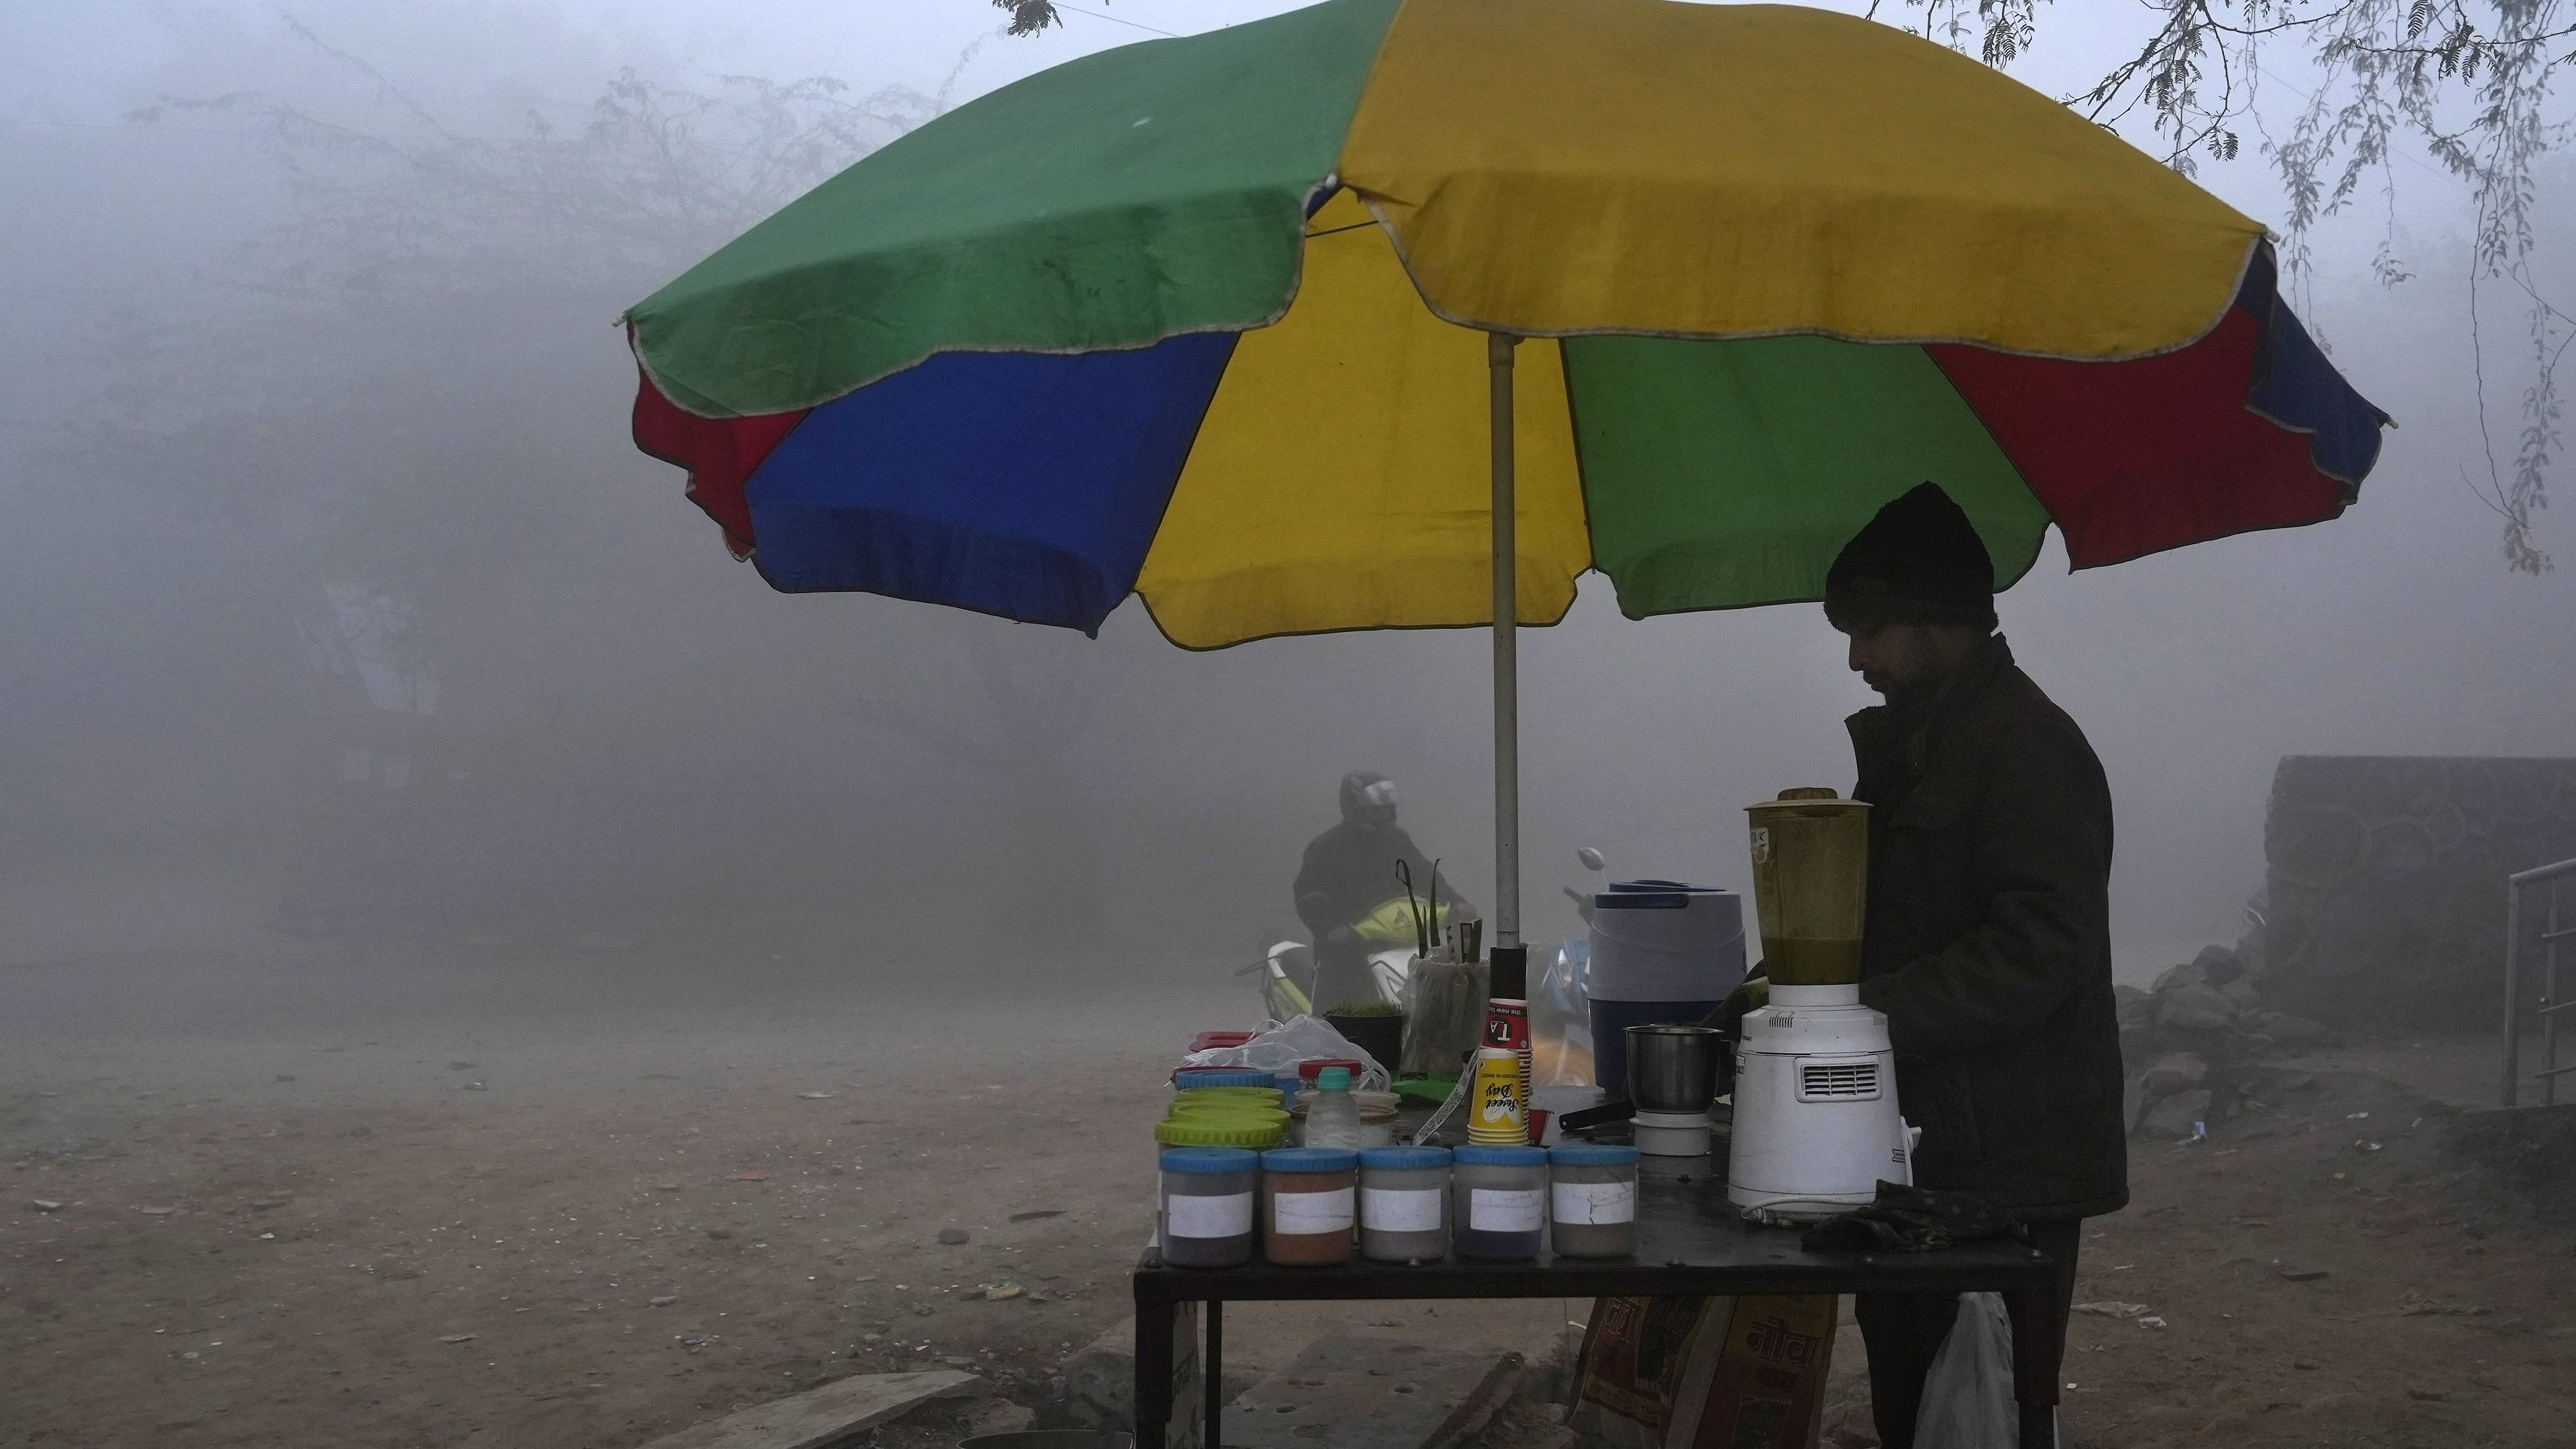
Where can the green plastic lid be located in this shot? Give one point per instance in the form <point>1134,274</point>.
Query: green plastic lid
<point>1248,1111</point>
<point>1220,1131</point>
<point>1333,1079</point>
<point>1203,1096</point>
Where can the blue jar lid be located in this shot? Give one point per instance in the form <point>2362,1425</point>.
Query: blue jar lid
<point>1210,1159</point>
<point>1223,1077</point>
<point>1310,1159</point>
<point>1477,1154</point>
<point>1593,1154</point>
<point>1404,1157</point>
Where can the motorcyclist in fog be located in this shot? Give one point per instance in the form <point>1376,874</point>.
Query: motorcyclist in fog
<point>1349,876</point>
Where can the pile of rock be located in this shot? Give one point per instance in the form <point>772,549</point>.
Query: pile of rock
<point>2198,1043</point>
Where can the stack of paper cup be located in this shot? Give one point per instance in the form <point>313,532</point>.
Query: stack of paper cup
<point>1497,1112</point>
<point>1507,1029</point>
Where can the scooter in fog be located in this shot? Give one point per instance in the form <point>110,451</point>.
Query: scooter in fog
<point>1286,972</point>
<point>1560,1002</point>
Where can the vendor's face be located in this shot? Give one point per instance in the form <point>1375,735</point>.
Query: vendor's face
<point>1901,659</point>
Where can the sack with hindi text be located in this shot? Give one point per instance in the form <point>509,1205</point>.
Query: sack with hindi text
<point>1705,1373</point>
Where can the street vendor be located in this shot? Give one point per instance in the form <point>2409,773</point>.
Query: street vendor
<point>1987,939</point>
<point>1350,896</point>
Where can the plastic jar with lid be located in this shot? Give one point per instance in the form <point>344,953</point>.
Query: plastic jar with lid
<point>1404,1204</point>
<point>1206,1214</point>
<point>1309,1205</point>
<point>1592,1199</point>
<point>1498,1201</point>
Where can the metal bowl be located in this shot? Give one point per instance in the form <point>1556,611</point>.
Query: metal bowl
<point>1673,1067</point>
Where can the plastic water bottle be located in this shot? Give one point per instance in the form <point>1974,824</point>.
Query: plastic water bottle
<point>1333,1119</point>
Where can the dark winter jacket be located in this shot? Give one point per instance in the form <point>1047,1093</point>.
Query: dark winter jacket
<point>1988,940</point>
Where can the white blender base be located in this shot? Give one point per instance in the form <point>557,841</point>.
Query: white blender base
<point>1672,1134</point>
<point>1816,1119</point>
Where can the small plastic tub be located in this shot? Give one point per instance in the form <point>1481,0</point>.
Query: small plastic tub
<point>1206,1212</point>
<point>1309,1205</point>
<point>1498,1201</point>
<point>1592,1200</point>
<point>1404,1204</point>
<point>1378,1116</point>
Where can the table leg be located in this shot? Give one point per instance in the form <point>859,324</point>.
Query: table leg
<point>1153,1371</point>
<point>1212,1368</point>
<point>2034,1323</point>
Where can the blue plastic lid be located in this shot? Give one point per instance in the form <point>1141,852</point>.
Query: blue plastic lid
<point>1478,1154</point>
<point>1310,1159</point>
<point>1651,895</point>
<point>1593,1154</point>
<point>1210,1159</point>
<point>1333,1079</point>
<point>1189,1077</point>
<point>1404,1157</point>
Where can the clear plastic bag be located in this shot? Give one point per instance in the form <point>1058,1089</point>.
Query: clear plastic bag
<point>1282,1045</point>
<point>1560,1010</point>
<point>1968,1394</point>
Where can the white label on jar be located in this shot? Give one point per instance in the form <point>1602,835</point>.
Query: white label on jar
<point>1506,1210</point>
<point>1295,1213</point>
<point>1596,1203</point>
<point>1228,1216</point>
<point>1401,1210</point>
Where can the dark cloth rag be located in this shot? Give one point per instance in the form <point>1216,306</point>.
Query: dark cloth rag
<point>1910,1220</point>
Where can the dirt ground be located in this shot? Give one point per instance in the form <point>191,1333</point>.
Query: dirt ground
<point>442,1198</point>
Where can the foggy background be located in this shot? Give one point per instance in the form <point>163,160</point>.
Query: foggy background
<point>338,603</point>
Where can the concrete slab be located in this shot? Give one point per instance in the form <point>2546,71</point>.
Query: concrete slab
<point>1372,1392</point>
<point>823,1418</point>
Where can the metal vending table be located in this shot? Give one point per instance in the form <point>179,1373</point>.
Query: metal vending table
<point>1689,1241</point>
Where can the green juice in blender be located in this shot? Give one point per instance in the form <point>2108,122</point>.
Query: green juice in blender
<point>1810,884</point>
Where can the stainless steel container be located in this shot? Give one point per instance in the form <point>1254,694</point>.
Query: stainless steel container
<point>1673,1068</point>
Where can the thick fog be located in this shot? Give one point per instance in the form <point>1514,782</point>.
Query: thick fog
<point>338,600</point>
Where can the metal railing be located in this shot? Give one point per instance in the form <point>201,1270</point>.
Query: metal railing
<point>2550,1003</point>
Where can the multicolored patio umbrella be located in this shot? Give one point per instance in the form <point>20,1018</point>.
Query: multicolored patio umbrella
<point>1200,319</point>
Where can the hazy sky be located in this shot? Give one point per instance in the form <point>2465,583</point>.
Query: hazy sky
<point>2395,629</point>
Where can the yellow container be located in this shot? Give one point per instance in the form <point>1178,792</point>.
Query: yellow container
<point>1811,885</point>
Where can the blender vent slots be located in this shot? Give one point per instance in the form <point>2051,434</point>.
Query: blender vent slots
<point>1856,1081</point>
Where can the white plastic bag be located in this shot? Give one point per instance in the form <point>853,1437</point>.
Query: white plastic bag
<point>1968,1394</point>
<point>1298,1039</point>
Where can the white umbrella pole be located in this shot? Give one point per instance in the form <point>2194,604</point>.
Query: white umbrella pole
<point>1507,714</point>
